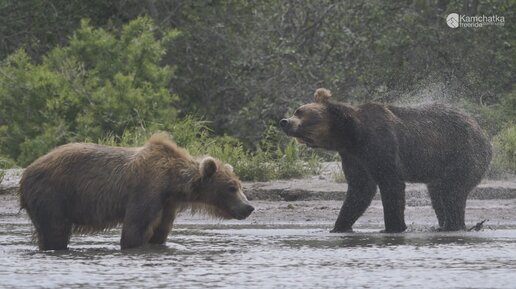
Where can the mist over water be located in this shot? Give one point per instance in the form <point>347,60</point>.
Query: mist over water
<point>430,92</point>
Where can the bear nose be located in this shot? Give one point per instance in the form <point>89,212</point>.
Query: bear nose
<point>283,123</point>
<point>248,210</point>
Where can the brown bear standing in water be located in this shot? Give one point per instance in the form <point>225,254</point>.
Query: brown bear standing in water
<point>88,187</point>
<point>386,146</point>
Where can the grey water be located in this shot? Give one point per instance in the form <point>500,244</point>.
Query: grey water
<point>261,256</point>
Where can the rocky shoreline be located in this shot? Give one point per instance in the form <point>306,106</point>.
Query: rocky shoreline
<point>316,200</point>
<point>322,187</point>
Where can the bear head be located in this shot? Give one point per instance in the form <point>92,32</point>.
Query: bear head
<point>323,123</point>
<point>220,191</point>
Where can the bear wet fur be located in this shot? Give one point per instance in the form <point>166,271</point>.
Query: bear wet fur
<point>85,188</point>
<point>386,146</point>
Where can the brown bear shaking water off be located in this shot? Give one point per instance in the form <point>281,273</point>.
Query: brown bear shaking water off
<point>386,146</point>
<point>88,187</point>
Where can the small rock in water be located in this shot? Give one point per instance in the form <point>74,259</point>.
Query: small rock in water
<point>478,226</point>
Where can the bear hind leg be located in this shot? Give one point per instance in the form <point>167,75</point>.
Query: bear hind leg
<point>455,206</point>
<point>437,203</point>
<point>451,212</point>
<point>57,240</point>
<point>53,230</point>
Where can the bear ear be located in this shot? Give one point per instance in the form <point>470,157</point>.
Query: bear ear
<point>322,95</point>
<point>208,167</point>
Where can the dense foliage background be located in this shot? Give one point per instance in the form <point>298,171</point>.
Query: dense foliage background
<point>96,70</point>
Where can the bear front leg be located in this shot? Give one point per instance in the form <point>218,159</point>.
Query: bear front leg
<point>361,190</point>
<point>392,191</point>
<point>139,222</point>
<point>357,201</point>
<point>161,232</point>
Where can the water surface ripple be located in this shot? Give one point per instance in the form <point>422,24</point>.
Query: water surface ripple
<point>257,256</point>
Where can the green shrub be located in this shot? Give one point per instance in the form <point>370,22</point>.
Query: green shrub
<point>494,118</point>
<point>101,85</point>
<point>293,161</point>
<point>339,176</point>
<point>5,163</point>
<point>261,165</point>
<point>270,161</point>
<point>110,87</point>
<point>504,147</point>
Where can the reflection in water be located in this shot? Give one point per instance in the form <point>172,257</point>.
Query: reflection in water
<point>264,257</point>
<point>388,240</point>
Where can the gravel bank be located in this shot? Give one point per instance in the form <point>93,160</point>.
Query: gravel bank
<point>316,200</point>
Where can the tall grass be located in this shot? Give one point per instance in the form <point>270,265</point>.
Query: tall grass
<point>504,148</point>
<point>268,162</point>
<point>5,163</point>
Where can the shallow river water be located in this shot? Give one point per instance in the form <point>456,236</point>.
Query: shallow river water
<point>258,256</point>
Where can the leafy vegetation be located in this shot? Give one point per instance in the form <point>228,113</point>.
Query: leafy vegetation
<point>98,70</point>
<point>4,164</point>
<point>505,151</point>
<point>196,137</point>
<point>100,83</point>
<point>499,121</point>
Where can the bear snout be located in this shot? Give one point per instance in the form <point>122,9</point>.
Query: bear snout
<point>243,212</point>
<point>284,124</point>
<point>288,126</point>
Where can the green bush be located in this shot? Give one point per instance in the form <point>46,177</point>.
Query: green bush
<point>101,84</point>
<point>261,165</point>
<point>5,163</point>
<point>194,135</point>
<point>494,118</point>
<point>110,87</point>
<point>504,146</point>
<point>277,156</point>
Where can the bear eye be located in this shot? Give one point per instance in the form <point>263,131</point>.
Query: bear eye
<point>298,113</point>
<point>232,190</point>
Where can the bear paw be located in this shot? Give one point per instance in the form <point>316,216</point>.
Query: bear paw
<point>337,230</point>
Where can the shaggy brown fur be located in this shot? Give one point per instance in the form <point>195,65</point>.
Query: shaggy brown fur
<point>87,187</point>
<point>386,146</point>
